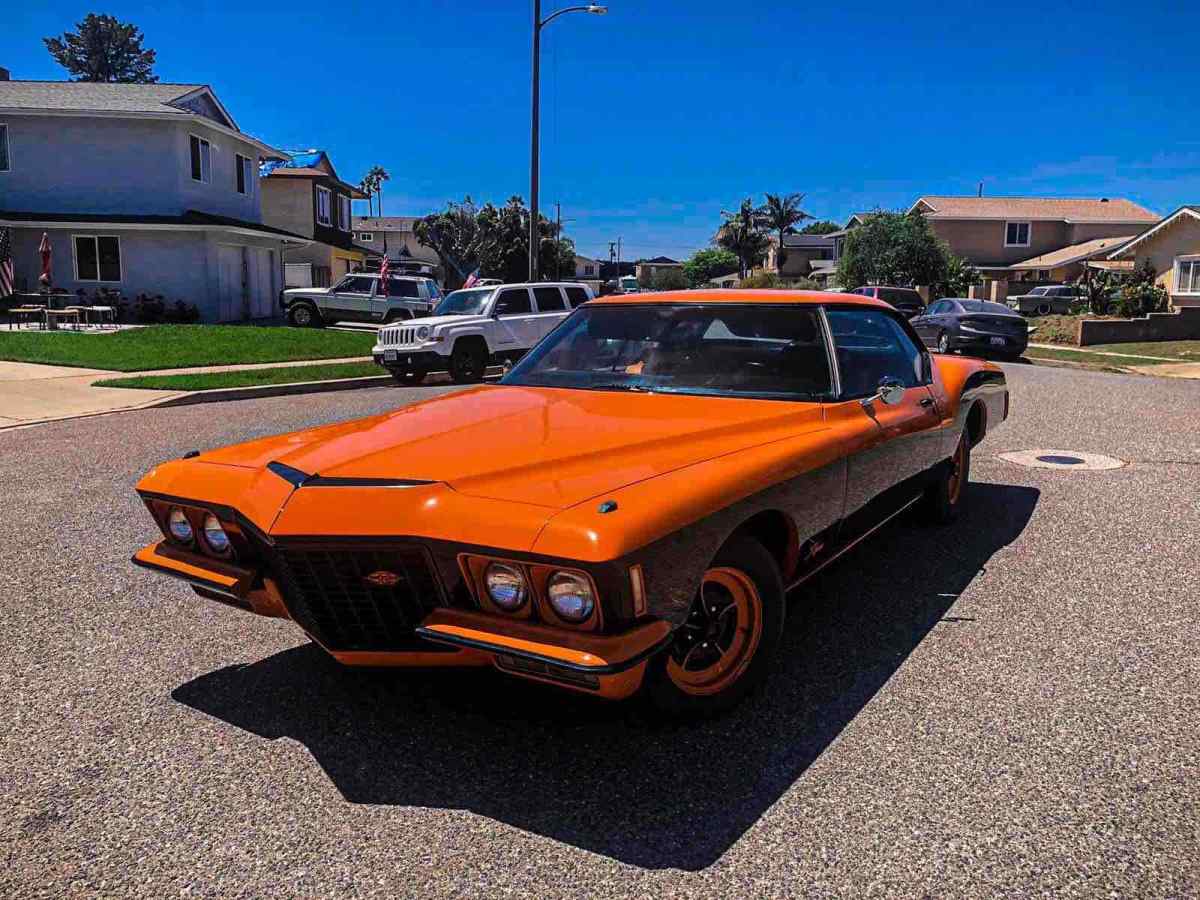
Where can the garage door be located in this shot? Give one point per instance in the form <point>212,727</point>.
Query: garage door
<point>229,282</point>
<point>260,270</point>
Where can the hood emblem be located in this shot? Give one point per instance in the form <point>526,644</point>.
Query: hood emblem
<point>382,579</point>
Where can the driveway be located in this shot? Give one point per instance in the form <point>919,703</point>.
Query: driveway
<point>1005,707</point>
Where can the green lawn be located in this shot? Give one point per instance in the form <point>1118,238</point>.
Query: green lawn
<point>1184,351</point>
<point>1084,356</point>
<point>176,346</point>
<point>204,381</point>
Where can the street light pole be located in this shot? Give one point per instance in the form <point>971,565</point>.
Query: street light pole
<point>535,125</point>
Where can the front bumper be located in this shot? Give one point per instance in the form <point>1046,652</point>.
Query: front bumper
<point>409,360</point>
<point>609,665</point>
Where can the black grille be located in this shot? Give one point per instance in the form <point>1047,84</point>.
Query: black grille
<point>330,593</point>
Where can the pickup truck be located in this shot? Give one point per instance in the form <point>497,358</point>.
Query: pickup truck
<point>1042,301</point>
<point>475,328</point>
<point>359,297</point>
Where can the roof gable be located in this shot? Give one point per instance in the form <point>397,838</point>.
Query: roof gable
<point>1190,211</point>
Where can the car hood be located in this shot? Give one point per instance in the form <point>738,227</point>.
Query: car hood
<point>290,292</point>
<point>434,321</point>
<point>542,446</point>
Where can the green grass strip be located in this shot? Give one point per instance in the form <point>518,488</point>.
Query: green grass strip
<point>177,346</point>
<point>206,381</point>
<point>1085,357</point>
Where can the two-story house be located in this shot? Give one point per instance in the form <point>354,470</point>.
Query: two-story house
<point>303,194</point>
<point>394,236</point>
<point>1032,239</point>
<point>804,255</point>
<point>647,270</point>
<point>138,187</point>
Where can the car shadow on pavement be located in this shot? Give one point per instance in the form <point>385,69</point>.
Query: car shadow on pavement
<point>613,778</point>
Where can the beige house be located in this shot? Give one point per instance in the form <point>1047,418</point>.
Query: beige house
<point>405,253</point>
<point>1067,264</point>
<point>648,269</point>
<point>803,255</point>
<point>1172,248</point>
<point>304,195</point>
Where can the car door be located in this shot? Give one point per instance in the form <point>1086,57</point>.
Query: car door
<point>921,323</point>
<point>889,446</point>
<point>513,313</point>
<point>350,299</point>
<point>551,308</point>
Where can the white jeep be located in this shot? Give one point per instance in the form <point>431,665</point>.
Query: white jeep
<point>360,297</point>
<point>474,328</point>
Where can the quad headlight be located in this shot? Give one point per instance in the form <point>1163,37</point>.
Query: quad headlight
<point>215,536</point>
<point>506,585</point>
<point>571,596</point>
<point>179,526</point>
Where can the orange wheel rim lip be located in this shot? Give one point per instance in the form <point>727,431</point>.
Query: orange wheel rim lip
<point>736,658</point>
<point>956,480</point>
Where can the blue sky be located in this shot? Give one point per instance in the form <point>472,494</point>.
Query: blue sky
<point>660,114</point>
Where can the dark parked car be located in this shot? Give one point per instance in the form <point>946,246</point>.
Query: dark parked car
<point>1042,301</point>
<point>907,300</point>
<point>976,326</point>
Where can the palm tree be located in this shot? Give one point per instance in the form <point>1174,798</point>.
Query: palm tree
<point>378,175</point>
<point>743,234</point>
<point>781,214</point>
<point>367,186</point>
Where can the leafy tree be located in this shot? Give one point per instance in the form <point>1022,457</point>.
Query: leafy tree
<point>781,214</point>
<point>957,279</point>
<point>743,234</point>
<point>705,265</point>
<point>1097,291</point>
<point>821,226</point>
<point>670,279</point>
<point>893,248</point>
<point>494,239</point>
<point>1141,293</point>
<point>104,49</point>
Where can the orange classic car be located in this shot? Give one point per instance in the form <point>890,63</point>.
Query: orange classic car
<point>625,511</point>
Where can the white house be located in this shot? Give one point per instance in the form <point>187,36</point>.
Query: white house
<point>142,188</point>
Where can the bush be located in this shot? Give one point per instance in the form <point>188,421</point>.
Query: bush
<point>670,280</point>
<point>767,280</point>
<point>1140,294</point>
<point>804,284</point>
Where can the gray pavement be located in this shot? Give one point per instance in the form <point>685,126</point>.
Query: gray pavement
<point>1008,706</point>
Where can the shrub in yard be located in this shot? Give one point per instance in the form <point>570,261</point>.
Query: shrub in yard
<point>1140,294</point>
<point>762,280</point>
<point>670,280</point>
<point>147,309</point>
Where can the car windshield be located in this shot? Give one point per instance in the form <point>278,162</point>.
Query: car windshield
<point>764,351</point>
<point>1039,291</point>
<point>464,303</point>
<point>982,306</point>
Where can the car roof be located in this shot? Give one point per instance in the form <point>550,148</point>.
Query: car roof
<point>745,295</point>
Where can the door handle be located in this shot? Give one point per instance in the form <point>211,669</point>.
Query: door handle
<point>927,401</point>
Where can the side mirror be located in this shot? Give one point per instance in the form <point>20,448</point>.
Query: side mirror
<point>891,392</point>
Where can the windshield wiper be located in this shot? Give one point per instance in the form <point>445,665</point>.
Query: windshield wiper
<point>621,386</point>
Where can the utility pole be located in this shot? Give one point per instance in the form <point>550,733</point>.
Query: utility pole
<point>557,241</point>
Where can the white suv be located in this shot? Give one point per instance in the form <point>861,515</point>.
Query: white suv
<point>475,328</point>
<point>359,297</point>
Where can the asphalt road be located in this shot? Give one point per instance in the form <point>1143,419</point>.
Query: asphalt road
<point>1010,706</point>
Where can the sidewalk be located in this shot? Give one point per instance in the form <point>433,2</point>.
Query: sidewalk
<point>32,393</point>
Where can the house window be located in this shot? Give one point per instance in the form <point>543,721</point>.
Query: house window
<point>1016,234</point>
<point>245,175</point>
<point>4,159</point>
<point>97,258</point>
<point>324,196</point>
<point>1187,276</point>
<point>343,212</point>
<point>366,237</point>
<point>201,159</point>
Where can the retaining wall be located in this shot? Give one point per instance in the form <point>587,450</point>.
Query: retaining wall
<point>1181,325</point>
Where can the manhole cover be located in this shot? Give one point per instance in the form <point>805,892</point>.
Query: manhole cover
<point>1063,459</point>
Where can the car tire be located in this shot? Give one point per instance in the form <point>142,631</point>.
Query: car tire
<point>943,341</point>
<point>409,377</point>
<point>946,498</point>
<point>304,315</point>
<point>714,662</point>
<point>1044,309</point>
<point>468,362</point>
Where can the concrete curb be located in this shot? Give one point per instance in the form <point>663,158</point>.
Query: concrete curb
<point>254,392</point>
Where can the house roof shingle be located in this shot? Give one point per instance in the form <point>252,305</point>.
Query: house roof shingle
<point>807,240</point>
<point>1116,209</point>
<point>88,96</point>
<point>1066,255</point>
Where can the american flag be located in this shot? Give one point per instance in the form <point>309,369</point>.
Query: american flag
<point>383,273</point>
<point>6,263</point>
<point>471,279</point>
